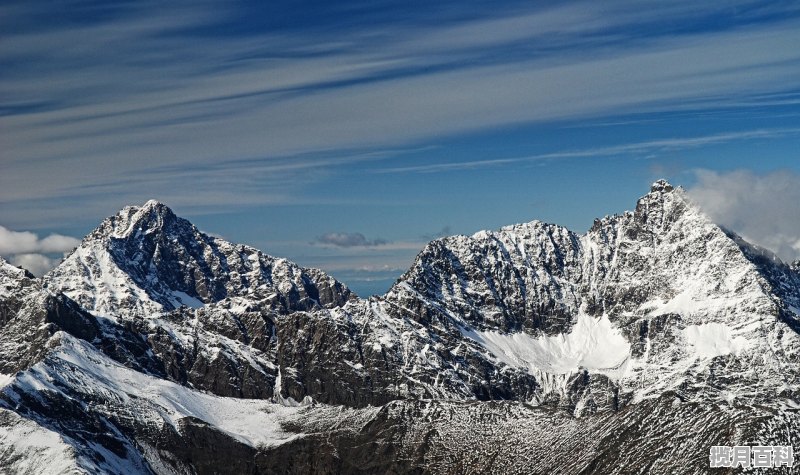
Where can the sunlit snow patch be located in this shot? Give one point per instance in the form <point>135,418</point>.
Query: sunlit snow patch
<point>182,298</point>
<point>592,344</point>
<point>714,339</point>
<point>26,447</point>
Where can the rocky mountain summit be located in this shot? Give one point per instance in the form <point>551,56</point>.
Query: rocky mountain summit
<point>145,260</point>
<point>156,348</point>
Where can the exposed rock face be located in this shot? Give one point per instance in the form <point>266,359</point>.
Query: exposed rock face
<point>519,278</point>
<point>502,437</point>
<point>155,348</point>
<point>225,353</point>
<point>370,357</point>
<point>27,337</point>
<point>15,283</point>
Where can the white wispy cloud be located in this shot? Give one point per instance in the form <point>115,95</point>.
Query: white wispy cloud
<point>23,242</point>
<point>763,209</point>
<point>360,243</point>
<point>90,109</point>
<point>637,149</point>
<point>26,249</point>
<point>36,264</point>
<point>444,232</point>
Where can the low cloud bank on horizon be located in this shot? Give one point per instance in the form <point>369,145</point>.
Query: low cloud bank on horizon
<point>28,250</point>
<point>349,240</point>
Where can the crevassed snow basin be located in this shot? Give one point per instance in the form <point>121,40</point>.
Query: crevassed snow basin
<point>593,344</point>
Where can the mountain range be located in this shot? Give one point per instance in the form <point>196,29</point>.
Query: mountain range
<point>632,348</point>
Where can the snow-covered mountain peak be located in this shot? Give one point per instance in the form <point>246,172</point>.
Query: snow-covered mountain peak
<point>153,216</point>
<point>146,260</point>
<point>678,287</point>
<point>663,195</point>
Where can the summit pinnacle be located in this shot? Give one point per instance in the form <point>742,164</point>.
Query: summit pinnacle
<point>661,186</point>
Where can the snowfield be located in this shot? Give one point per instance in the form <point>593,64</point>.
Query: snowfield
<point>32,449</point>
<point>715,339</point>
<point>593,344</point>
<point>253,422</point>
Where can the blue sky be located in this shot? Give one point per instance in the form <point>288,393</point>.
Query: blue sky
<point>344,135</point>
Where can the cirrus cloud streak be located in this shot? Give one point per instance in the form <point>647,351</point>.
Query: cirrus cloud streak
<point>85,122</point>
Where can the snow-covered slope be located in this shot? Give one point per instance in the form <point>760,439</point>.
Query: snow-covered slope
<point>13,280</point>
<point>112,419</point>
<point>27,447</point>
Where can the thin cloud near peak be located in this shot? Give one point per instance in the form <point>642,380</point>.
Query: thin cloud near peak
<point>349,240</point>
<point>763,208</point>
